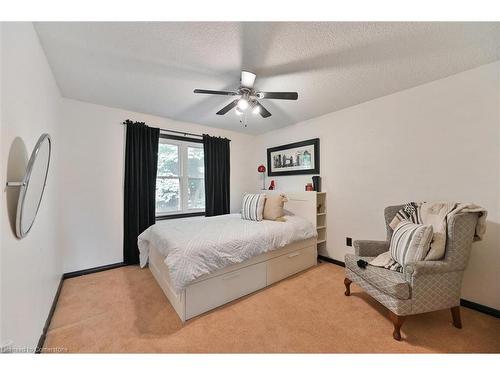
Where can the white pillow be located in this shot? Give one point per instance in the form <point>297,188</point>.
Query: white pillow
<point>410,242</point>
<point>252,206</point>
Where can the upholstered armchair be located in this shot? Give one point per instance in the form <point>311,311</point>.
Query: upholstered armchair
<point>423,286</point>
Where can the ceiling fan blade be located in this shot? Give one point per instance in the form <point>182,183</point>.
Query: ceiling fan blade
<point>278,95</point>
<point>228,107</point>
<point>247,79</point>
<point>214,92</point>
<point>263,112</point>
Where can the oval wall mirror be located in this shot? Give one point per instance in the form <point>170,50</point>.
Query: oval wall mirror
<point>32,186</point>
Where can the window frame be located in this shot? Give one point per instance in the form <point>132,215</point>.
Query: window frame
<point>182,143</point>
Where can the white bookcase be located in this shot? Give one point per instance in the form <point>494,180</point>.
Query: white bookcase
<point>321,223</point>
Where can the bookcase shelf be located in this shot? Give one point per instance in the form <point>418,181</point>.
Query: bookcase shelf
<point>321,222</point>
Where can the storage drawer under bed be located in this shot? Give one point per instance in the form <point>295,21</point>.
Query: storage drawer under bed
<point>211,293</point>
<point>288,264</point>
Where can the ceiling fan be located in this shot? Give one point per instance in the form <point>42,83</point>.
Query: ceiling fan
<point>248,97</point>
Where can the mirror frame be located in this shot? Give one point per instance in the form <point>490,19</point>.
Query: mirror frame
<point>25,184</point>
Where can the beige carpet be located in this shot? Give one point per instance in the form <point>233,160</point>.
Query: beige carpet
<point>124,310</point>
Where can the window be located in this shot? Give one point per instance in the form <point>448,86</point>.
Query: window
<point>180,181</point>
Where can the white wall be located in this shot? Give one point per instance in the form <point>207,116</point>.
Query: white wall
<point>30,268</point>
<point>92,149</point>
<point>438,141</point>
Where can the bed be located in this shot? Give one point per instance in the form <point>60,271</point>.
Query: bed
<point>202,263</point>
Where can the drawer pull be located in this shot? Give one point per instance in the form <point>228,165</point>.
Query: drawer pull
<point>232,276</point>
<point>293,255</point>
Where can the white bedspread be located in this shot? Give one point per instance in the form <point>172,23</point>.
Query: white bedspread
<point>194,247</point>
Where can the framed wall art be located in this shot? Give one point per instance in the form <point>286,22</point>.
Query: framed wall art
<point>294,158</point>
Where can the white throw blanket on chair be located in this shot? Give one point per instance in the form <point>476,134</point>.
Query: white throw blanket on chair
<point>436,214</point>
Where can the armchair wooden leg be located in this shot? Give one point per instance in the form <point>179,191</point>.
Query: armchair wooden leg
<point>347,284</point>
<point>397,321</point>
<point>455,314</point>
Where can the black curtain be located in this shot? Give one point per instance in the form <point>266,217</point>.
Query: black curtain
<point>141,159</point>
<point>217,170</point>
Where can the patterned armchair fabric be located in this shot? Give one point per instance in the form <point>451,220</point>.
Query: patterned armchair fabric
<point>425,285</point>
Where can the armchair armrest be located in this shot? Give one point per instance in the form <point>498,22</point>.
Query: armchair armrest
<point>368,248</point>
<point>428,267</point>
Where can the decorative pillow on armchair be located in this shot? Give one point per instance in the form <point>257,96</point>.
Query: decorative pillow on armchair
<point>410,243</point>
<point>252,207</point>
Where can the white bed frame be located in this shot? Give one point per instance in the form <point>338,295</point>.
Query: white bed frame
<point>238,280</point>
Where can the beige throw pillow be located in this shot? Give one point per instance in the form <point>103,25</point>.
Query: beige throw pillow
<point>273,208</point>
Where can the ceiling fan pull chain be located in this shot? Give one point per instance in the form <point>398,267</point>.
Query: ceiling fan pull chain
<point>243,120</point>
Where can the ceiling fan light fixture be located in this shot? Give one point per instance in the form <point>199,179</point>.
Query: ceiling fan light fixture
<point>239,112</point>
<point>256,109</point>
<point>243,104</point>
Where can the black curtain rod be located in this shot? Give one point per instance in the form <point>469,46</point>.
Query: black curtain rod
<point>183,133</point>
<point>170,131</point>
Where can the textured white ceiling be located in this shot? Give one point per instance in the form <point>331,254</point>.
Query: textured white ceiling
<point>153,67</point>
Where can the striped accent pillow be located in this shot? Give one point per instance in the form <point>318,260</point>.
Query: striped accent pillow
<point>252,207</point>
<point>409,243</point>
<point>410,212</point>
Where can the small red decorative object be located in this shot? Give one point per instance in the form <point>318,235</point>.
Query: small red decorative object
<point>309,187</point>
<point>262,169</point>
<point>272,186</point>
